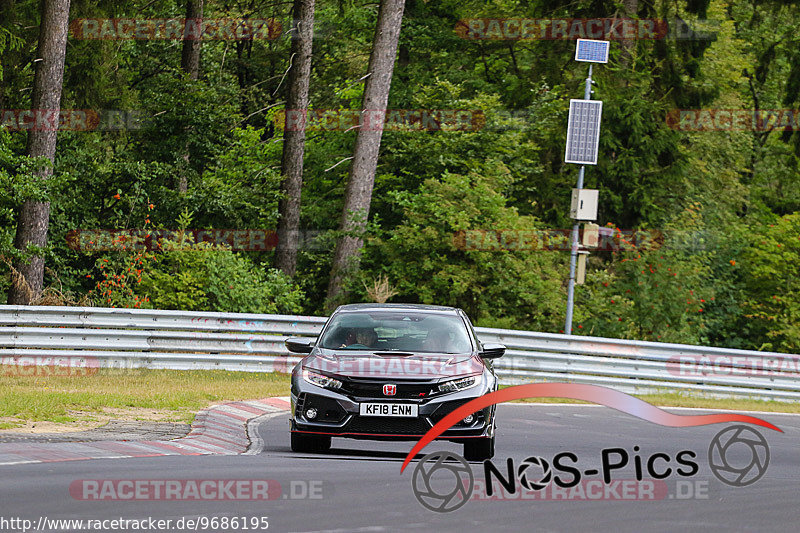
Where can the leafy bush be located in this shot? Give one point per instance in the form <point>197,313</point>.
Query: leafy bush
<point>771,281</point>
<point>202,277</point>
<point>661,292</point>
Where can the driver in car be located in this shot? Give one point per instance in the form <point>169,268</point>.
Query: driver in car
<point>438,340</point>
<point>360,336</point>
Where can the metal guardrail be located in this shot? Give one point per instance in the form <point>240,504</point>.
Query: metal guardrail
<point>139,338</point>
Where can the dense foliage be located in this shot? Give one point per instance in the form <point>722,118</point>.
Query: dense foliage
<point>727,203</point>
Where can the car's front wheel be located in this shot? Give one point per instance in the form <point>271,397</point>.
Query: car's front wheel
<point>310,443</point>
<point>479,449</point>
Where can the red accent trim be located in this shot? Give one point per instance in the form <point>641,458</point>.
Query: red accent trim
<point>383,435</point>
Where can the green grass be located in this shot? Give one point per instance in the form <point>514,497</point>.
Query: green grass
<point>54,398</point>
<point>682,400</point>
<point>178,395</point>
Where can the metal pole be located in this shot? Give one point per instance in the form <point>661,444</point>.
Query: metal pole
<point>573,255</point>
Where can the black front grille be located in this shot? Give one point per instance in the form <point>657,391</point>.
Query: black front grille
<point>374,389</point>
<point>388,426</point>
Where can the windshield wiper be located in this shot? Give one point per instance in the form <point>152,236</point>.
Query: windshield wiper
<point>393,353</point>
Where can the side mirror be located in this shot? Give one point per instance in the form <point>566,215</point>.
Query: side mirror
<point>299,344</point>
<point>492,350</point>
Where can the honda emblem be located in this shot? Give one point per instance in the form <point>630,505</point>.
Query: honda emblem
<point>389,390</point>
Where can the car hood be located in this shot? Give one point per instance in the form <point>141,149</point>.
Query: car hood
<point>394,366</point>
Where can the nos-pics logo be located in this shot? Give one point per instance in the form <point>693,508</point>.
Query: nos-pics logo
<point>443,481</point>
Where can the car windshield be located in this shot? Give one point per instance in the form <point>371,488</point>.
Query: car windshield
<point>397,331</point>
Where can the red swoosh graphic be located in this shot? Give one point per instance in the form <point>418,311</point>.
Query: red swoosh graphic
<point>590,393</point>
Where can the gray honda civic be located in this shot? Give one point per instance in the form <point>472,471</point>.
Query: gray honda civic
<point>390,372</point>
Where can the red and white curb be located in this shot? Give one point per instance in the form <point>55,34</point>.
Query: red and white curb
<point>226,429</point>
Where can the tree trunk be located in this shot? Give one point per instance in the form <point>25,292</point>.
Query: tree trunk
<point>190,56</point>
<point>358,194</point>
<point>7,18</point>
<point>631,9</point>
<point>294,136</point>
<point>34,217</point>
<point>190,63</point>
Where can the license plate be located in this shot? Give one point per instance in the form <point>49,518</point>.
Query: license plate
<point>389,409</point>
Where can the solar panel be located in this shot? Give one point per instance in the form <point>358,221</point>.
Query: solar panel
<point>591,51</point>
<point>583,131</point>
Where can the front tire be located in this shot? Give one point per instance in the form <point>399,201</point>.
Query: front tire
<point>479,449</point>
<point>310,443</point>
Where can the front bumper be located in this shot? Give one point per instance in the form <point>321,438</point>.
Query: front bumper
<point>338,414</point>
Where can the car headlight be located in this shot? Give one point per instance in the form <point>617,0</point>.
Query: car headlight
<point>320,380</point>
<point>459,384</point>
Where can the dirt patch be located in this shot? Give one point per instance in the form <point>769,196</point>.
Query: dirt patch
<point>87,420</point>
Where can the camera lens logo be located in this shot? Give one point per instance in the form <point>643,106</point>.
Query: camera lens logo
<point>544,479</point>
<point>442,482</point>
<point>738,456</point>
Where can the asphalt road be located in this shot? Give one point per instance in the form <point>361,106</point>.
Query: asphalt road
<point>358,485</point>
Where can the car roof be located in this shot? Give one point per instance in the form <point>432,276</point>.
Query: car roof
<point>396,307</point>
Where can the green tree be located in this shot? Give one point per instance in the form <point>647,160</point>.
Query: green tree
<point>769,268</point>
<point>496,287</point>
